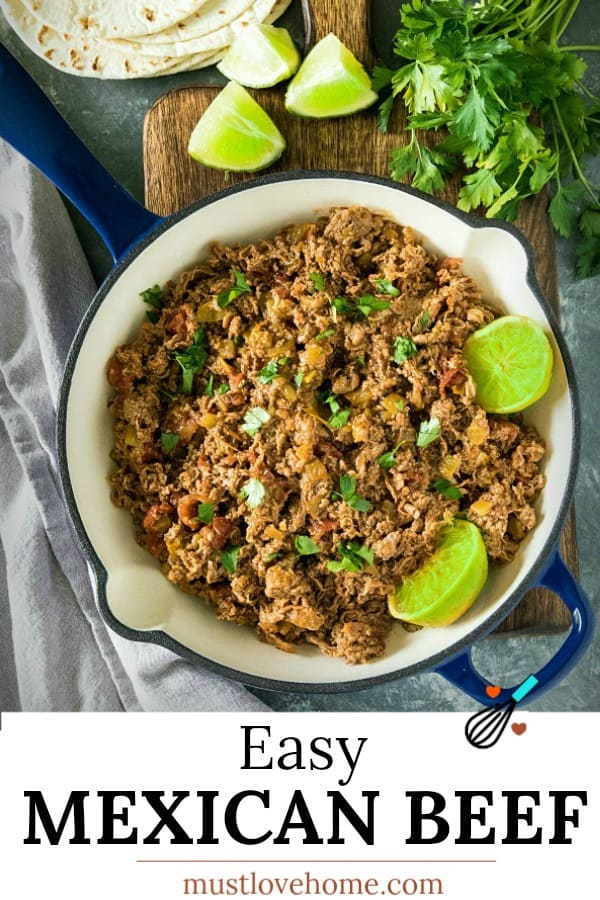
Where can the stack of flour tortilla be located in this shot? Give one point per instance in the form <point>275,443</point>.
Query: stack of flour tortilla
<point>134,38</point>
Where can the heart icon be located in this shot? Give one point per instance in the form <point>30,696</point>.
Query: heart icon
<point>493,691</point>
<point>519,727</point>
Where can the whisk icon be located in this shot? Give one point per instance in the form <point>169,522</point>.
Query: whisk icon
<point>485,728</point>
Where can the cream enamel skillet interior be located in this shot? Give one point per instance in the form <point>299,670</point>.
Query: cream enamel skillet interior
<point>134,597</point>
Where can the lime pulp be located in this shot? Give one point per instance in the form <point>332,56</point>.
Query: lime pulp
<point>511,362</point>
<point>260,57</point>
<point>448,583</point>
<point>235,133</point>
<point>330,82</point>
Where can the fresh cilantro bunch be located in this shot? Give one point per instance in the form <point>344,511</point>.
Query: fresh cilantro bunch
<point>513,105</point>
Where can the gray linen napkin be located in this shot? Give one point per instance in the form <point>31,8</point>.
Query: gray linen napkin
<point>55,651</point>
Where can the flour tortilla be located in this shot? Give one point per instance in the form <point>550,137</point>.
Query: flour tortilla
<point>88,57</point>
<point>111,18</point>
<point>167,43</point>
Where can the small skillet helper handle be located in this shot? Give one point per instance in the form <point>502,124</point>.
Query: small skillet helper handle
<point>29,122</point>
<point>350,22</point>
<point>558,578</point>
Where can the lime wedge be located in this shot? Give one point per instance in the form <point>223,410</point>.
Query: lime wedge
<point>235,133</point>
<point>448,583</point>
<point>511,363</point>
<point>330,82</point>
<point>260,57</point>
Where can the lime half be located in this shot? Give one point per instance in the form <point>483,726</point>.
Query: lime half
<point>330,82</point>
<point>236,133</point>
<point>511,363</point>
<point>260,57</point>
<point>448,583</point>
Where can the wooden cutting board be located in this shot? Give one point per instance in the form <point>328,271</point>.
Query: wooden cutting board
<point>173,180</point>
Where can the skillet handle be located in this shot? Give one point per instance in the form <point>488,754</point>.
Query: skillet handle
<point>29,122</point>
<point>558,578</point>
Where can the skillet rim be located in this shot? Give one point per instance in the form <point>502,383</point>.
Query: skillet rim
<point>430,663</point>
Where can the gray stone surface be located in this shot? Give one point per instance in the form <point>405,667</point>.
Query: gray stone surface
<point>108,116</point>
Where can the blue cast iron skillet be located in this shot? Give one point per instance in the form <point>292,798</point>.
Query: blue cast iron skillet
<point>33,126</point>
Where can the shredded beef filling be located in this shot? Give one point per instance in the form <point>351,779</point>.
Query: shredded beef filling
<point>296,381</point>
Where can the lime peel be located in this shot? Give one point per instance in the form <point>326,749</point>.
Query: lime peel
<point>510,361</point>
<point>330,82</point>
<point>448,583</point>
<point>235,133</point>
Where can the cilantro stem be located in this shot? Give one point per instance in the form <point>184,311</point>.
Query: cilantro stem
<point>593,48</point>
<point>562,27</point>
<point>572,153</point>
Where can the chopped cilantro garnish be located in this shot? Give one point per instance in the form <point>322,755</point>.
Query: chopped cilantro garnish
<point>424,320</point>
<point>206,512</point>
<point>339,416</point>
<point>253,492</point>
<point>209,390</point>
<point>305,546</point>
<point>428,432</point>
<point>318,281</point>
<point>298,378</point>
<point>347,493</point>
<point>269,372</point>
<point>386,287</point>
<point>254,419</point>
<point>284,360</point>
<point>223,388</point>
<point>153,296</point>
<point>388,460</point>
<point>358,307</point>
<point>354,557</point>
<point>240,286</point>
<point>339,419</point>
<point>192,360</point>
<point>273,556</point>
<point>169,441</point>
<point>229,558</point>
<point>325,334</point>
<point>361,360</point>
<point>447,489</point>
<point>404,348</point>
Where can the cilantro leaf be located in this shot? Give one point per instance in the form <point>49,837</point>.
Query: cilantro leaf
<point>240,286</point>
<point>476,119</point>
<point>347,493</point>
<point>354,557</point>
<point>318,281</point>
<point>254,419</point>
<point>209,390</point>
<point>339,419</point>
<point>153,296</point>
<point>229,558</point>
<point>404,348</point>
<point>339,416</point>
<point>206,512</point>
<point>269,372</point>
<point>223,388</point>
<point>169,441</point>
<point>388,460</point>
<point>325,334</point>
<point>192,360</point>
<point>305,546</point>
<point>428,432</point>
<point>358,307</point>
<point>386,287</point>
<point>447,489</point>
<point>298,378</point>
<point>480,188</point>
<point>253,492</point>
